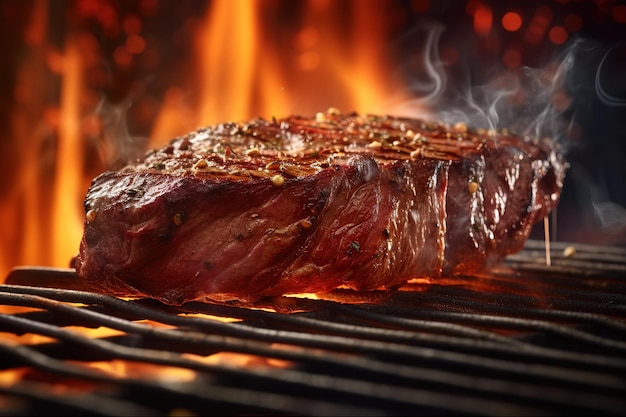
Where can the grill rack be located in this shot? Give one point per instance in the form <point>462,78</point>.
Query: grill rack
<point>526,339</point>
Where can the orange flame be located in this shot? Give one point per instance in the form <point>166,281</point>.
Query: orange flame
<point>242,72</point>
<point>241,67</point>
<point>67,215</point>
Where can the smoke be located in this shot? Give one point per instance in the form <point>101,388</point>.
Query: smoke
<point>527,101</point>
<point>570,97</point>
<point>610,75</point>
<point>598,160</point>
<point>612,216</point>
<point>593,197</point>
<point>433,78</point>
<point>118,146</point>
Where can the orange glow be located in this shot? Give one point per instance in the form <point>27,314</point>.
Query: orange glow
<point>483,19</point>
<point>511,21</point>
<point>558,35</point>
<point>308,61</point>
<point>307,38</point>
<point>211,317</point>
<point>122,57</point>
<point>135,44</point>
<point>35,339</point>
<point>619,13</point>
<point>145,370</point>
<point>241,360</point>
<point>538,25</point>
<point>247,66</point>
<point>11,376</point>
<point>132,25</point>
<point>66,212</point>
<point>512,58</point>
<point>226,46</point>
<point>364,69</point>
<point>305,41</point>
<point>172,116</point>
<point>35,33</point>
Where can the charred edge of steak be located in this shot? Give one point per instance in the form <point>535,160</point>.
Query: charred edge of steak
<point>242,211</point>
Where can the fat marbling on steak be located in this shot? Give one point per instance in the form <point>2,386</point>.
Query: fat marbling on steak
<point>242,211</point>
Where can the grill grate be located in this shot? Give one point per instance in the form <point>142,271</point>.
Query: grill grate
<point>526,339</point>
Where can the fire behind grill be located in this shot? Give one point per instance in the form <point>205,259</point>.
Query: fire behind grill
<point>526,339</point>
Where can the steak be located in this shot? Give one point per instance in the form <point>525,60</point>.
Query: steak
<point>243,211</point>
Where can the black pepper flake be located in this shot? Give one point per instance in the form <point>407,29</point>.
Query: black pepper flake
<point>158,165</point>
<point>354,247</point>
<point>134,192</point>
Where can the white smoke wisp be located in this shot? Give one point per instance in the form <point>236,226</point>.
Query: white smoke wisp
<point>551,99</point>
<point>526,101</point>
<point>117,146</point>
<point>428,78</point>
<point>529,101</point>
<point>611,215</point>
<point>433,66</point>
<point>616,53</point>
<point>563,98</point>
<point>594,198</point>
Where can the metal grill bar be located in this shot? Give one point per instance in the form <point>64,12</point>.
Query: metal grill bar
<point>168,395</point>
<point>517,341</point>
<point>380,339</point>
<point>496,388</point>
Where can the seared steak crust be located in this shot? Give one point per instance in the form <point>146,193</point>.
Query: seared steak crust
<point>241,211</point>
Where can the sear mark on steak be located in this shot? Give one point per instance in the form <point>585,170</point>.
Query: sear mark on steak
<point>242,211</point>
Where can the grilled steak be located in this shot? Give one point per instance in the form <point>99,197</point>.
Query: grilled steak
<point>242,211</point>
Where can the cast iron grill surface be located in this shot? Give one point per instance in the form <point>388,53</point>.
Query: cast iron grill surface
<point>525,339</point>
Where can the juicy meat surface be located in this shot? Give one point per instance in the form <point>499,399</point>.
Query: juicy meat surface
<point>242,211</point>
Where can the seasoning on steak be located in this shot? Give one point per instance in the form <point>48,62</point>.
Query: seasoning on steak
<point>242,211</point>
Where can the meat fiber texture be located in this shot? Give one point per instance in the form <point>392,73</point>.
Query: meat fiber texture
<point>243,211</point>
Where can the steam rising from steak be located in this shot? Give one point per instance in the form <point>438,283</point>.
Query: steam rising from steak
<point>242,211</point>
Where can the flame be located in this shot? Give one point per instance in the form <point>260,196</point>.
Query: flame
<point>228,55</point>
<point>66,214</point>
<point>240,68</point>
<point>241,73</point>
